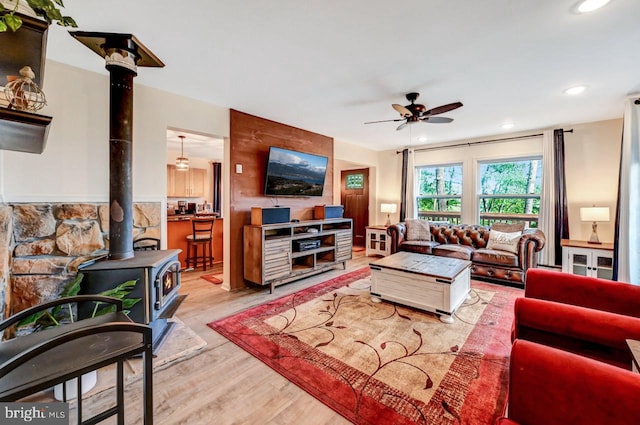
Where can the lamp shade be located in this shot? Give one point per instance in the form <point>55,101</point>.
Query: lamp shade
<point>594,214</point>
<point>388,208</point>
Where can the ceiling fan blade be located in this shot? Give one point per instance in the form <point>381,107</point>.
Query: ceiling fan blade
<point>401,126</point>
<point>374,122</point>
<point>402,110</point>
<point>442,109</point>
<point>436,120</point>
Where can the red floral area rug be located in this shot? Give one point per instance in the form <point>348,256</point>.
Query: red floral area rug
<point>380,363</point>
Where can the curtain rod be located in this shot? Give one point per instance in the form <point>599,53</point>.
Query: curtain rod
<point>505,139</point>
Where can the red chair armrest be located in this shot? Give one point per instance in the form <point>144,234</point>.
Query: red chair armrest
<point>549,386</point>
<point>591,333</point>
<point>590,292</point>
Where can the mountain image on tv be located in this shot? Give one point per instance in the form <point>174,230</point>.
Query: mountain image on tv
<point>291,173</point>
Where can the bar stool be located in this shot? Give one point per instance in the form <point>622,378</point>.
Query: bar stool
<point>202,237</point>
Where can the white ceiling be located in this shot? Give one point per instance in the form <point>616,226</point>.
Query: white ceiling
<point>329,66</point>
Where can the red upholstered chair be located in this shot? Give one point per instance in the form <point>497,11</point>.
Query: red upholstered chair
<point>587,316</point>
<point>552,387</point>
<point>590,292</point>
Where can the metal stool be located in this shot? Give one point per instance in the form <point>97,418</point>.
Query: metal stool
<point>202,237</point>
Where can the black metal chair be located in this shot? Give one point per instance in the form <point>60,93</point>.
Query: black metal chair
<point>146,244</point>
<point>40,360</point>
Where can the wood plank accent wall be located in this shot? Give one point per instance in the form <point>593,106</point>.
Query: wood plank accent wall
<point>251,138</point>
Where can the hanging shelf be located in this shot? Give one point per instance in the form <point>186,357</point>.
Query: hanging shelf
<point>19,130</point>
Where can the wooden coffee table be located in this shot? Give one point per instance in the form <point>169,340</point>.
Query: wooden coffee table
<point>427,282</point>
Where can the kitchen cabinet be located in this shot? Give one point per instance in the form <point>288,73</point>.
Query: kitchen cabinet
<point>186,184</point>
<point>583,258</point>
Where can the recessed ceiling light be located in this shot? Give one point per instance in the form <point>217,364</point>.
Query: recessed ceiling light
<point>422,139</point>
<point>507,125</point>
<point>575,89</point>
<point>590,5</point>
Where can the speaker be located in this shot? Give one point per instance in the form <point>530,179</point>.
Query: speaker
<point>327,211</point>
<point>260,216</point>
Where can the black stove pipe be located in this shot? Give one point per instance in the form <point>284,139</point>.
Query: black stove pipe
<point>120,154</point>
<point>123,53</point>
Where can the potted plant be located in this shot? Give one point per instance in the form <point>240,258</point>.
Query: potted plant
<point>49,10</point>
<point>66,314</point>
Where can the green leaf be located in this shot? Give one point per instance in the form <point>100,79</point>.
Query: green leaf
<point>68,21</point>
<point>13,22</point>
<point>3,26</point>
<point>1,7</point>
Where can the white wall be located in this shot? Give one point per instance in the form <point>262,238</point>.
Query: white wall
<point>592,164</point>
<point>347,156</point>
<point>592,154</point>
<point>75,163</point>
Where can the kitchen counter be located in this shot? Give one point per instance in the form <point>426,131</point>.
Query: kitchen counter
<point>182,217</point>
<point>179,226</point>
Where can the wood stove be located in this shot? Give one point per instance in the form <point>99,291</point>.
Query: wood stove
<point>157,273</point>
<point>157,276</point>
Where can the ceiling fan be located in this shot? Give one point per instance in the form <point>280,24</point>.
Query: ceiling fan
<point>416,112</point>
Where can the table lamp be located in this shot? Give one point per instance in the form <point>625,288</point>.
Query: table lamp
<point>388,209</point>
<point>594,214</point>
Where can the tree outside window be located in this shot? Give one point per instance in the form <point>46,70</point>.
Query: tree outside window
<point>439,196</point>
<point>510,191</point>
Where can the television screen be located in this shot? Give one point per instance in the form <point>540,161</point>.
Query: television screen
<point>292,173</point>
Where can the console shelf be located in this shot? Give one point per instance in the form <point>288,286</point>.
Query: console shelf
<point>272,256</point>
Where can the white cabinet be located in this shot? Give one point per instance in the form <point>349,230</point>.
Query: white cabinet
<point>378,242</point>
<point>583,258</point>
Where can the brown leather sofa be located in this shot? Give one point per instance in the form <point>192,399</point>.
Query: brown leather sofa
<point>469,242</point>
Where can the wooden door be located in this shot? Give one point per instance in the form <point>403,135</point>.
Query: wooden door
<point>354,194</point>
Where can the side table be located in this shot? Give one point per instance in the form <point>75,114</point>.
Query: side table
<point>634,347</point>
<point>377,241</point>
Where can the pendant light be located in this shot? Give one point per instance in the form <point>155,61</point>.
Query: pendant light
<point>182,163</point>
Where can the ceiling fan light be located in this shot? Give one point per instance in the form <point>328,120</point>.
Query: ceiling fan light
<point>575,90</point>
<point>587,6</point>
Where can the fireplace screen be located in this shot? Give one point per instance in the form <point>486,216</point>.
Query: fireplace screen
<point>167,281</point>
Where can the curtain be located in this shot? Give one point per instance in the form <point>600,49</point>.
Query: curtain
<point>627,242</point>
<point>216,169</point>
<point>403,185</point>
<point>561,209</point>
<point>407,198</point>
<point>547,221</point>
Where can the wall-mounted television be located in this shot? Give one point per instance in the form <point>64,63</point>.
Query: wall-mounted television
<point>293,173</point>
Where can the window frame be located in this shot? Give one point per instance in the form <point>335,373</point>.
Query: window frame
<point>507,217</point>
<point>451,216</point>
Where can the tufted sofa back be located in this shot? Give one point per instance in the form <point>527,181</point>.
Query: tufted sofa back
<point>461,234</point>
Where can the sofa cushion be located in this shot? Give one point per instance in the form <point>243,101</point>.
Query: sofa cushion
<point>494,256</point>
<point>418,230</point>
<point>504,241</point>
<point>463,252</point>
<point>508,227</point>
<point>421,247</point>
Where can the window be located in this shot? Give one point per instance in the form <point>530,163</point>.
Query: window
<point>355,181</point>
<point>439,192</point>
<point>510,191</point>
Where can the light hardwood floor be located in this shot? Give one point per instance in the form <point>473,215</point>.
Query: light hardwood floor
<point>223,384</point>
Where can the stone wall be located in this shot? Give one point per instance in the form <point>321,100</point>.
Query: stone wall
<point>42,245</point>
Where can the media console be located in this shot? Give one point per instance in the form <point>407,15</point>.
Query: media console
<point>275,254</point>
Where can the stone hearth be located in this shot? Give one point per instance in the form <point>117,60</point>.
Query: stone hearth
<point>42,244</point>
